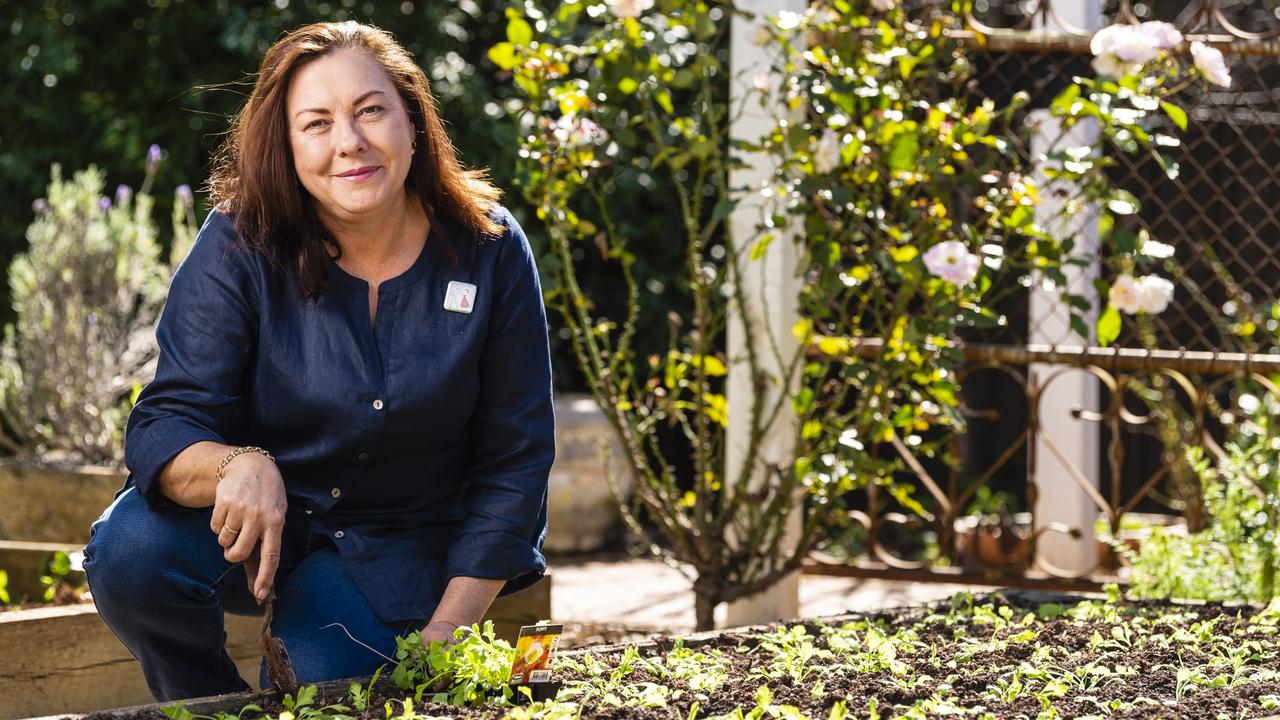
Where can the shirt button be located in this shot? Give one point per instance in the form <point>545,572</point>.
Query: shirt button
<point>339,534</point>
<point>377,404</point>
<point>335,492</point>
<point>363,456</point>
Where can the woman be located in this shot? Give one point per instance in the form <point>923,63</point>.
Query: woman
<point>353,386</point>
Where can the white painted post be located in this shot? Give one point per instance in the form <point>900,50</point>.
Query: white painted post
<point>771,287</point>
<point>1060,498</point>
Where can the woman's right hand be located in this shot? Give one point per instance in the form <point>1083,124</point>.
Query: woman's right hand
<point>249,508</point>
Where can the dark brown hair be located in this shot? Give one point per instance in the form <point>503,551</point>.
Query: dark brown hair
<point>254,179</point>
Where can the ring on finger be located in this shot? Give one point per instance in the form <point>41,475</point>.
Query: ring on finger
<point>230,530</point>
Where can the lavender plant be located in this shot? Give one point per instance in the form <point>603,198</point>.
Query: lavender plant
<point>87,294</point>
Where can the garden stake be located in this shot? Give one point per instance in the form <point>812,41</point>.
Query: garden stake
<point>279,669</point>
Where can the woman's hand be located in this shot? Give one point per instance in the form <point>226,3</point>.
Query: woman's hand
<point>465,601</point>
<point>441,630</point>
<point>249,508</point>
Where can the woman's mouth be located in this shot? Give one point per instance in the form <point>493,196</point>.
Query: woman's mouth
<point>359,174</point>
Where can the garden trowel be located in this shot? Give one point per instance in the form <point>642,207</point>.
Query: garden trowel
<point>279,669</point>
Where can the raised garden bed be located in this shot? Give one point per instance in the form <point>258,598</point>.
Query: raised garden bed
<point>65,660</point>
<point>52,505</point>
<point>1004,655</point>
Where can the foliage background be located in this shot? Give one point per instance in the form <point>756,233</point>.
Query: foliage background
<point>98,83</point>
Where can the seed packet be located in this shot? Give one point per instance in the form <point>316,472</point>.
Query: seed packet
<point>534,648</point>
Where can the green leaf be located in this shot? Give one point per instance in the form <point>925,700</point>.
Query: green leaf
<point>711,365</point>
<point>1078,326</point>
<point>504,55</point>
<point>1126,240</point>
<point>519,32</point>
<point>904,253</point>
<point>761,246</point>
<point>60,563</point>
<point>722,209</point>
<point>902,154</point>
<point>663,99</point>
<point>1108,326</point>
<point>1176,114</point>
<point>306,695</point>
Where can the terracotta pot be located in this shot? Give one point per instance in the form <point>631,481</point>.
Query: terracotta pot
<point>581,509</point>
<point>994,542</point>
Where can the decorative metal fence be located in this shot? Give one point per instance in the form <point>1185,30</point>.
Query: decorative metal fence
<point>1214,344</point>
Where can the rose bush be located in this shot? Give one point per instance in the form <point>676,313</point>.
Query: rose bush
<point>913,212</point>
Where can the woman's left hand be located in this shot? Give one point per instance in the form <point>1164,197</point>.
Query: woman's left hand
<point>439,630</point>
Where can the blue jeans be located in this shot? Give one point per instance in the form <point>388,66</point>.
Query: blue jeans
<point>161,584</point>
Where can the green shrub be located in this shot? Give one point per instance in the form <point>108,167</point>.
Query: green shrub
<point>87,293</point>
<point>1234,557</point>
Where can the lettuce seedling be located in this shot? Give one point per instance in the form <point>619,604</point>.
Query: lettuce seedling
<point>473,671</point>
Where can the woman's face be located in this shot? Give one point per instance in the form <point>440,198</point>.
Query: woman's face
<point>350,133</point>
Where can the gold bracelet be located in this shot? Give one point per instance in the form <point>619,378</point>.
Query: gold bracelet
<point>222,466</point>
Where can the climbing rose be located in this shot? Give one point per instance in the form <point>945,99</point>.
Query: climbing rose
<point>1120,50</point>
<point>952,261</point>
<point>574,132</point>
<point>826,157</point>
<point>1211,64</point>
<point>1163,34</point>
<point>1124,295</point>
<point>1154,294</point>
<point>629,8</point>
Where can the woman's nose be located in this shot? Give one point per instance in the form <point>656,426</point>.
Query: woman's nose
<point>350,139</point>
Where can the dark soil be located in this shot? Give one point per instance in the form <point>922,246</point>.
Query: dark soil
<point>957,664</point>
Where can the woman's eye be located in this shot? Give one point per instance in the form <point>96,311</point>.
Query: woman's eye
<point>313,124</point>
<point>371,110</point>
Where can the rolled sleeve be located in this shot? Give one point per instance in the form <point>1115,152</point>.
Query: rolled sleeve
<point>204,337</point>
<point>512,430</point>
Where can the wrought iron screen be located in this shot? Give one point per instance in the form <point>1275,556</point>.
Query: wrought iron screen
<point>1221,213</point>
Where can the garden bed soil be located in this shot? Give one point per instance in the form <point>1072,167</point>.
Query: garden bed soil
<point>71,663</point>
<point>1003,655</point>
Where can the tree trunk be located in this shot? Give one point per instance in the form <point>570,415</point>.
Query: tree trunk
<point>707,592</point>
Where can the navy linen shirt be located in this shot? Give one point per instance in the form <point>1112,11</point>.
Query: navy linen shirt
<point>419,446</point>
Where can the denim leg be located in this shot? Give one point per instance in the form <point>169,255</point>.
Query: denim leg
<point>320,593</point>
<point>157,577</point>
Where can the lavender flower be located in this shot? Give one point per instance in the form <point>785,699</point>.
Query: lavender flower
<point>104,203</point>
<point>40,205</point>
<point>184,195</point>
<point>153,158</point>
<point>123,194</point>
